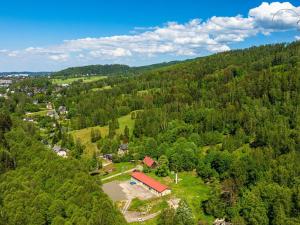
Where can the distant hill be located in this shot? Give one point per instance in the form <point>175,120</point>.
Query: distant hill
<point>105,70</point>
<point>109,69</point>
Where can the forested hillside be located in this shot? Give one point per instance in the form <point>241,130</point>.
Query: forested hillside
<point>108,70</point>
<point>38,187</point>
<point>232,118</point>
<point>94,70</point>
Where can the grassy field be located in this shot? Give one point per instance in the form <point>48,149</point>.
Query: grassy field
<point>84,135</point>
<point>73,79</point>
<point>119,168</point>
<point>151,205</point>
<point>108,87</point>
<point>39,113</point>
<point>191,188</point>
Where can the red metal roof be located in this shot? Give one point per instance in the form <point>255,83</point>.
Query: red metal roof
<point>148,161</point>
<point>154,184</point>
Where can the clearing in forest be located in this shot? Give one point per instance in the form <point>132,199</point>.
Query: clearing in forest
<point>70,80</point>
<point>84,135</point>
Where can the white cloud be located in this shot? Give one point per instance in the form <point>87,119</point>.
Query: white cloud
<point>187,39</point>
<point>276,16</point>
<point>59,57</point>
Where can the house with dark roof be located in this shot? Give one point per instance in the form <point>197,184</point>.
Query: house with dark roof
<point>149,183</point>
<point>148,161</point>
<point>60,151</point>
<point>62,110</point>
<point>123,149</point>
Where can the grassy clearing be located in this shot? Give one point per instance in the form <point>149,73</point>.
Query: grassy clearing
<point>148,91</point>
<point>84,135</point>
<point>191,188</point>
<point>123,177</point>
<point>39,113</point>
<point>60,81</point>
<point>151,205</point>
<point>108,87</point>
<point>119,168</point>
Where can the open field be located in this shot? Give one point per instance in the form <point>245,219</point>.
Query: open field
<point>85,134</point>
<point>73,79</point>
<point>108,87</point>
<point>39,113</point>
<point>191,188</point>
<point>120,168</point>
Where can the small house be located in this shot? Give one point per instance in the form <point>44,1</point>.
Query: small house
<point>51,114</point>
<point>49,106</point>
<point>148,161</point>
<point>60,151</point>
<point>62,110</point>
<point>123,149</point>
<point>108,157</point>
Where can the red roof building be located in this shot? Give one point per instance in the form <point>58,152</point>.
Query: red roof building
<point>152,184</point>
<point>149,161</point>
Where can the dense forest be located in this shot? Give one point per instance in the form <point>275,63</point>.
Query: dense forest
<point>38,187</point>
<point>232,117</point>
<point>109,70</point>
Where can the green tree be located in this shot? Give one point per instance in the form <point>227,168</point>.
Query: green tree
<point>184,214</point>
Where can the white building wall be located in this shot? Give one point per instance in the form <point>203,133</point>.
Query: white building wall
<point>165,192</point>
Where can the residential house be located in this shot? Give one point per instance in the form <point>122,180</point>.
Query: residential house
<point>148,161</point>
<point>49,106</point>
<point>51,113</point>
<point>123,149</point>
<point>62,110</point>
<point>108,156</point>
<point>5,83</point>
<point>60,151</point>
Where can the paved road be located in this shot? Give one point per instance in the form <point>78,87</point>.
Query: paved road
<point>118,174</point>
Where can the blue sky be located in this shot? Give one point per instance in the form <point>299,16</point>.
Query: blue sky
<point>51,35</point>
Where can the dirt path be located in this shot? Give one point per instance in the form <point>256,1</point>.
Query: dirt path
<point>126,206</point>
<point>136,217</point>
<point>118,174</point>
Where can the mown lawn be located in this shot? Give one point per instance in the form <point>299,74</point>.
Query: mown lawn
<point>151,205</point>
<point>73,79</point>
<point>84,135</point>
<point>191,188</point>
<point>119,168</point>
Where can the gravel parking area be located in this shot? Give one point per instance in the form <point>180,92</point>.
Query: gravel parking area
<point>119,191</point>
<point>136,191</point>
<point>114,191</point>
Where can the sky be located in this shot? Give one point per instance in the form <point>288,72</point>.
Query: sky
<point>51,35</point>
